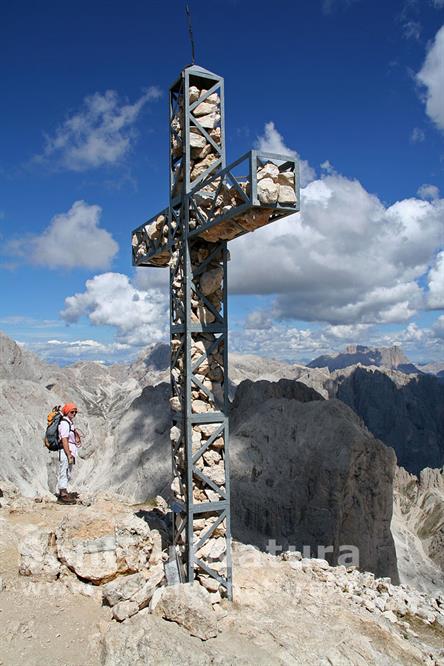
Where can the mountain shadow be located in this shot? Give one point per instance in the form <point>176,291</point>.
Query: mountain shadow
<point>408,418</point>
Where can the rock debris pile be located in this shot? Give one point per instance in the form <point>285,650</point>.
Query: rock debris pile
<point>396,603</point>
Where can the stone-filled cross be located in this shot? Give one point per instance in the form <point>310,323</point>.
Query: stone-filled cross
<point>210,204</point>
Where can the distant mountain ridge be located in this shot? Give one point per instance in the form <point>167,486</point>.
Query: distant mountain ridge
<point>303,468</point>
<point>387,357</point>
<point>405,412</point>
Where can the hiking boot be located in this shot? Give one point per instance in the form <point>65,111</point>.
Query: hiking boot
<point>66,499</point>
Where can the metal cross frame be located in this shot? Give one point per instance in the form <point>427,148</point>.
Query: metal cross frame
<point>210,203</point>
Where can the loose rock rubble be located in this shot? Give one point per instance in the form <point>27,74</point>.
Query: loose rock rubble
<point>376,595</point>
<point>286,610</point>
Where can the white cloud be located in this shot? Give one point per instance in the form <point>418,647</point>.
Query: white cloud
<point>110,299</point>
<point>431,76</point>
<point>328,167</point>
<point>346,332</point>
<point>438,3</point>
<point>72,240</point>
<point>417,135</point>
<point>303,344</point>
<point>346,259</point>
<point>272,142</point>
<point>438,328</point>
<point>77,347</point>
<point>101,133</point>
<point>259,320</point>
<point>427,191</point>
<point>436,283</point>
<point>151,278</point>
<point>280,342</point>
<point>69,351</point>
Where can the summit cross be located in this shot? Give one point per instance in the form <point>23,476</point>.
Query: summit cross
<point>210,204</point>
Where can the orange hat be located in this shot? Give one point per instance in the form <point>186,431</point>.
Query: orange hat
<point>68,408</point>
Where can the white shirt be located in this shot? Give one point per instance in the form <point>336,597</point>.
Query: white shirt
<point>66,429</point>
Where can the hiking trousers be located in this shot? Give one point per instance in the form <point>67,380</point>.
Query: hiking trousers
<point>65,471</point>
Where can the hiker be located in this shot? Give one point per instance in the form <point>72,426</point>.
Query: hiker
<point>70,441</point>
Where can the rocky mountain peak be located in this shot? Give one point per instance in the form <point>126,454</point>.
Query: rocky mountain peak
<point>387,357</point>
<point>16,362</point>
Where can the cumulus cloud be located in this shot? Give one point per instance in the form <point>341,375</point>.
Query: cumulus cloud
<point>431,76</point>
<point>436,283</point>
<point>72,240</point>
<point>259,320</point>
<point>101,133</point>
<point>427,191</point>
<point>271,141</point>
<point>438,328</point>
<point>140,317</point>
<point>280,342</point>
<point>299,344</point>
<point>346,259</point>
<point>69,351</point>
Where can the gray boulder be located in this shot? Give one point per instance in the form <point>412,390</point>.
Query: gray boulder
<point>188,605</point>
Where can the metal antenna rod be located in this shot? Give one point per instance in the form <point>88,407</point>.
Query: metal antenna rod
<point>190,31</point>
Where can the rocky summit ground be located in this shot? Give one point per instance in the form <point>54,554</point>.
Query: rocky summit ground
<point>286,609</point>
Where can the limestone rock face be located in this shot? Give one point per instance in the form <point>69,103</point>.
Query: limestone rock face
<point>418,528</point>
<point>188,605</point>
<point>253,393</point>
<point>409,418</point>
<point>309,474</point>
<point>136,460</point>
<point>388,357</point>
<point>17,363</point>
<point>248,366</point>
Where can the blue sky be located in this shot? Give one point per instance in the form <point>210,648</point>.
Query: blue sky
<point>355,87</point>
